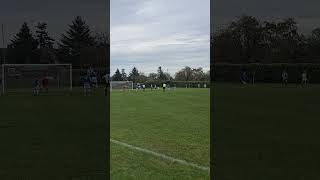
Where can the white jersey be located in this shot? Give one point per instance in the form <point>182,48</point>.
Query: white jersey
<point>90,72</point>
<point>304,76</point>
<point>106,78</point>
<point>164,85</point>
<point>284,75</point>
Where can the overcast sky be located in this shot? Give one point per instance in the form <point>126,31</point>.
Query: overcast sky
<point>152,33</point>
<point>306,12</point>
<point>57,13</point>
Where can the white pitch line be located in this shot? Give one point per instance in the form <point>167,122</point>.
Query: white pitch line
<point>183,162</point>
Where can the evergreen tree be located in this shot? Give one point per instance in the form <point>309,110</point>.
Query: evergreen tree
<point>22,47</point>
<point>45,43</point>
<point>44,40</point>
<point>134,75</point>
<point>124,75</point>
<point>74,40</point>
<point>102,40</point>
<point>161,75</point>
<point>117,76</point>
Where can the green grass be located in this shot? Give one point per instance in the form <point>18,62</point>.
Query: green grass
<point>262,132</point>
<point>55,136</point>
<point>174,123</point>
<point>52,136</point>
<point>266,132</point>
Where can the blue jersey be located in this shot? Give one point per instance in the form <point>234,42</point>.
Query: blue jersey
<point>86,80</point>
<point>35,83</point>
<point>244,76</point>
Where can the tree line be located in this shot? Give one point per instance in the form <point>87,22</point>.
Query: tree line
<point>27,47</point>
<point>249,40</point>
<point>185,74</point>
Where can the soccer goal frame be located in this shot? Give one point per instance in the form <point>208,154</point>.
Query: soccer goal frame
<point>4,80</point>
<point>121,82</point>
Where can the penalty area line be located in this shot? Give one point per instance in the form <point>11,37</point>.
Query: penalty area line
<point>163,156</point>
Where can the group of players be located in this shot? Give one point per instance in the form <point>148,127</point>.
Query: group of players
<point>284,78</point>
<point>90,81</point>
<point>40,85</point>
<point>154,87</point>
<point>165,86</point>
<point>304,78</point>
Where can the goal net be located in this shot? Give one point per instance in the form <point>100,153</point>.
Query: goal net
<point>120,85</point>
<point>17,78</point>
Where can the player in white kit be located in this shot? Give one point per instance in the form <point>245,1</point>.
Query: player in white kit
<point>304,79</point>
<point>284,78</point>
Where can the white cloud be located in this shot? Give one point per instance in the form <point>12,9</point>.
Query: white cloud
<point>167,33</point>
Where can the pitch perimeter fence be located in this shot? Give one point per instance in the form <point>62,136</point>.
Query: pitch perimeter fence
<point>265,73</point>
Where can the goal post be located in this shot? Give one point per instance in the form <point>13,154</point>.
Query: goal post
<point>20,77</point>
<point>119,85</point>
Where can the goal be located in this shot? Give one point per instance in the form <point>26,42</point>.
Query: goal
<point>120,85</point>
<point>17,78</point>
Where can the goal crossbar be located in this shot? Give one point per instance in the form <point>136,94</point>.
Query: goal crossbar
<point>3,66</point>
<point>121,84</point>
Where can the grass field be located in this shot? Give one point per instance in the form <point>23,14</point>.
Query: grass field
<point>52,136</point>
<point>266,132</point>
<point>261,132</point>
<point>173,123</point>
<point>55,136</point>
